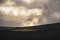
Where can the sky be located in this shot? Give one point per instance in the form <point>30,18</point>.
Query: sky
<point>51,12</point>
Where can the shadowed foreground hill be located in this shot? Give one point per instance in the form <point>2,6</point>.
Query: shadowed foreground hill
<point>46,32</point>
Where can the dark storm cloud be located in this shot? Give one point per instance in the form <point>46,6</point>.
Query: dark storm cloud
<point>53,6</point>
<point>19,3</point>
<point>2,1</point>
<point>36,4</point>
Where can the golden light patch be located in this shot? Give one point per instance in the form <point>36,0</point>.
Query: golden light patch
<point>28,1</point>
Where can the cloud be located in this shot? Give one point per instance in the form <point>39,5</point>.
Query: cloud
<point>2,1</point>
<point>49,6</point>
<point>35,4</point>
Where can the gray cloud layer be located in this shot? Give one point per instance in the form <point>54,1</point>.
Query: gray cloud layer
<point>51,7</point>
